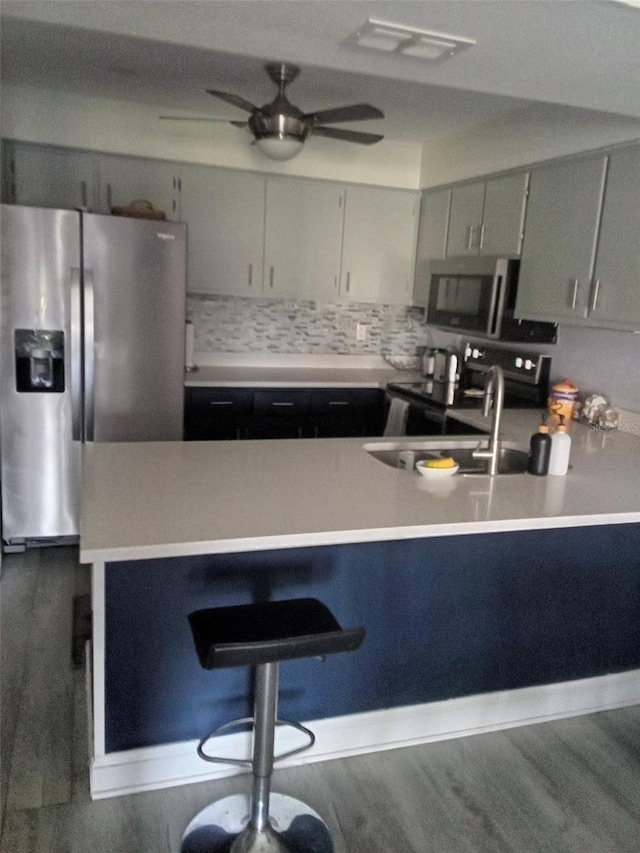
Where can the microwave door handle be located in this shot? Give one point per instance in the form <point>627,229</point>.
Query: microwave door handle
<point>498,294</point>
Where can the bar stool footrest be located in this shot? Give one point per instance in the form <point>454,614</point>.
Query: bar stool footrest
<point>250,721</point>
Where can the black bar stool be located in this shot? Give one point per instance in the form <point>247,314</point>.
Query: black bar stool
<point>262,635</point>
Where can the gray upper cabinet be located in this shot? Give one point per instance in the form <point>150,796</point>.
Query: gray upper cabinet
<point>502,227</point>
<point>224,212</point>
<point>127,179</point>
<point>487,217</point>
<point>378,245</point>
<point>559,247</point>
<point>432,240</point>
<point>303,239</point>
<point>45,176</point>
<point>467,203</point>
<point>615,295</point>
<point>252,235</point>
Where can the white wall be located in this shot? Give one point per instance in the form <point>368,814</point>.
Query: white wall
<point>119,127</point>
<point>536,133</point>
<point>599,361</point>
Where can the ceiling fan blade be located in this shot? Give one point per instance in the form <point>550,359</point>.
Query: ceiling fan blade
<point>195,118</point>
<point>234,100</point>
<point>348,135</point>
<point>355,112</point>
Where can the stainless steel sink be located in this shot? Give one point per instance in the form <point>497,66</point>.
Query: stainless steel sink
<point>404,454</point>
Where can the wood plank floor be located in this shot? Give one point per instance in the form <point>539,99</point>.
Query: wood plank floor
<point>571,785</point>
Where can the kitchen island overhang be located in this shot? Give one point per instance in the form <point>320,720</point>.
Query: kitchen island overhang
<point>465,632</point>
<point>156,499</point>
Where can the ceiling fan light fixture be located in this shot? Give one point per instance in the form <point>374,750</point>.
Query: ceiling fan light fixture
<point>279,147</point>
<point>408,41</point>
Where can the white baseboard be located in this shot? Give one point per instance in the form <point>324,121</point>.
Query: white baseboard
<point>166,765</point>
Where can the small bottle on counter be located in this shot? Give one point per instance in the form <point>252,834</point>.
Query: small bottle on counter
<point>540,450</point>
<point>560,450</point>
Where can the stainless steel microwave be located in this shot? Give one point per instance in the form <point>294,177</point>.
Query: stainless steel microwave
<point>477,296</point>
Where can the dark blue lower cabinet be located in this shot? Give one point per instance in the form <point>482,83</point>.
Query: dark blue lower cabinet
<point>445,617</point>
<point>239,413</point>
<point>347,412</point>
<point>216,413</point>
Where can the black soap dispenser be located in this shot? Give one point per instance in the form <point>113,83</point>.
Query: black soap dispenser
<point>540,450</point>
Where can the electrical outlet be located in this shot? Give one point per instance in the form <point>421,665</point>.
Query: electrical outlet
<point>361,331</point>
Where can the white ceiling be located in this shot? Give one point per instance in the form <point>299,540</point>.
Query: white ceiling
<point>582,54</point>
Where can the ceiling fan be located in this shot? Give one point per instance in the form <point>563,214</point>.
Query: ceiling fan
<point>280,129</point>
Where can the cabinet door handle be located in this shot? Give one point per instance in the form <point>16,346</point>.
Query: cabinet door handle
<point>270,276</point>
<point>472,231</point>
<point>250,274</point>
<point>348,282</point>
<point>596,293</point>
<point>482,231</point>
<point>83,193</point>
<point>574,298</point>
<point>109,197</point>
<point>221,402</point>
<point>287,403</point>
<point>338,402</point>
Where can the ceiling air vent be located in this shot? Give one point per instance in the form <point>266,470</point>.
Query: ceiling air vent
<point>407,41</point>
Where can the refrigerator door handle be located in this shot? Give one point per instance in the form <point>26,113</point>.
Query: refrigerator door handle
<point>76,356</point>
<point>88,352</point>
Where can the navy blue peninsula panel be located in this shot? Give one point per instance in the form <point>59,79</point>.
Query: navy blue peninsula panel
<point>445,617</point>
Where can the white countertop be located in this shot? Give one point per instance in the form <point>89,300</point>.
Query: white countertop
<point>298,377</point>
<point>163,499</point>
<point>274,370</point>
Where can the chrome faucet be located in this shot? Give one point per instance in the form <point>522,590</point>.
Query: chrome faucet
<point>493,394</point>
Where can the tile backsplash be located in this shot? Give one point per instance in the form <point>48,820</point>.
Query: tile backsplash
<point>598,360</point>
<point>235,325</point>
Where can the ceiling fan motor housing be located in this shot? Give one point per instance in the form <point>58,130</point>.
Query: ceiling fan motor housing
<point>279,118</point>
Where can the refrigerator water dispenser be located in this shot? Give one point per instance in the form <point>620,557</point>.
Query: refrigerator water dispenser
<point>39,357</point>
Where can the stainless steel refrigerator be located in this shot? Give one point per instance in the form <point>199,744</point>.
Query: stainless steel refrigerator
<point>92,349</point>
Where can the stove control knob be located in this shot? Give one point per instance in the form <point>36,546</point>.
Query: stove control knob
<point>519,362</point>
<point>528,365</point>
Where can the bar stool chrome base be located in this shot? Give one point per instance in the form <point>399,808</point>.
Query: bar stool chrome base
<point>223,827</point>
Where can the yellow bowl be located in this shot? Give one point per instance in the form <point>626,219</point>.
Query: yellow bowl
<point>435,473</point>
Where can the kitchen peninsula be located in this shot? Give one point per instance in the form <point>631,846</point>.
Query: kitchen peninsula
<point>492,602</point>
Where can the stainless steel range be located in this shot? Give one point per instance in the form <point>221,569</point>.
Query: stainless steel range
<point>457,381</point>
